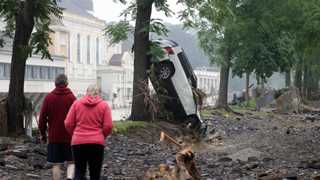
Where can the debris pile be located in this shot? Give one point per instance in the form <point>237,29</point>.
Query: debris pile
<point>185,167</point>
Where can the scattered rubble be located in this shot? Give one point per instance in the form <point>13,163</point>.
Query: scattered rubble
<point>261,145</point>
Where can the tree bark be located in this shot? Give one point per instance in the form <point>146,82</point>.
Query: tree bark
<point>224,80</point>
<point>288,78</point>
<point>247,88</point>
<point>306,81</point>
<point>24,26</point>
<point>141,46</point>
<point>298,77</point>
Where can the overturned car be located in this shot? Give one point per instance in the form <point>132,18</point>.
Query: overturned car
<point>173,77</point>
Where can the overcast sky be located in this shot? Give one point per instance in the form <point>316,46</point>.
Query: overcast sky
<point>109,11</point>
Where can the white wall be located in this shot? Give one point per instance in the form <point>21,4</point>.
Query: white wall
<point>34,85</point>
<point>208,81</point>
<point>81,75</point>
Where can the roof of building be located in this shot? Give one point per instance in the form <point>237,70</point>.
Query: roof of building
<point>80,7</point>
<point>116,60</point>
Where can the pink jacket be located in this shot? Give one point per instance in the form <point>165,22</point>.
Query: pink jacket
<point>89,121</point>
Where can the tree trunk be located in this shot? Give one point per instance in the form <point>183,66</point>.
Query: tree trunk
<point>262,84</point>
<point>288,78</point>
<point>306,81</point>
<point>141,46</point>
<point>247,88</point>
<point>298,77</point>
<point>258,80</point>
<point>24,26</point>
<point>224,80</point>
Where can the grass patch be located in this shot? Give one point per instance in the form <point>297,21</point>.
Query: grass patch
<point>122,127</point>
<point>208,112</point>
<point>245,106</point>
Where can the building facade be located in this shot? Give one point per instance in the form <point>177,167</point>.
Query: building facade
<point>208,82</point>
<point>116,80</point>
<point>39,73</point>
<point>79,46</point>
<point>79,37</point>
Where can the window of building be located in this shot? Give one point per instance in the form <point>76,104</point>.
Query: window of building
<point>78,49</point>
<point>97,51</point>
<point>44,72</point>
<point>64,41</point>
<point>32,72</point>
<point>28,72</point>
<point>35,72</point>
<point>59,71</point>
<point>7,70</point>
<point>51,73</point>
<point>2,70</point>
<point>88,49</point>
<point>51,47</point>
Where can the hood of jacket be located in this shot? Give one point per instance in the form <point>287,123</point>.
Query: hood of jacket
<point>61,90</point>
<point>91,100</point>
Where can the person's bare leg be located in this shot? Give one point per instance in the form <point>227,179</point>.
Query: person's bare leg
<point>70,170</point>
<point>56,172</point>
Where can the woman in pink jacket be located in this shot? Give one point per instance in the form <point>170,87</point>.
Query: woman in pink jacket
<point>89,122</point>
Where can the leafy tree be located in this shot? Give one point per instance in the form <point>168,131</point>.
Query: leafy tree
<point>218,36</point>
<point>301,21</point>
<point>259,37</point>
<point>265,47</point>
<point>28,21</point>
<point>140,11</point>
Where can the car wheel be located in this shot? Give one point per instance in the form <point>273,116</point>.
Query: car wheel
<point>165,71</point>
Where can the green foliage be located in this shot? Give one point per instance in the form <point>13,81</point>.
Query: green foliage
<point>40,40</point>
<point>245,105</point>
<point>157,27</point>
<point>131,11</point>
<point>156,52</point>
<point>163,6</point>
<point>43,11</point>
<point>121,1</point>
<point>261,37</point>
<point>118,31</point>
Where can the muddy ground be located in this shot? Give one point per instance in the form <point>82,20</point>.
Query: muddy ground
<point>255,145</point>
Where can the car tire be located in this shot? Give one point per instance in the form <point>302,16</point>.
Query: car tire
<point>165,70</point>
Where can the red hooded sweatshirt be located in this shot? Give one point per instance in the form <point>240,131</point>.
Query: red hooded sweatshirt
<point>89,121</point>
<point>53,112</point>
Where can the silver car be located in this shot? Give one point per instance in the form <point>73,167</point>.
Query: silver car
<point>175,79</point>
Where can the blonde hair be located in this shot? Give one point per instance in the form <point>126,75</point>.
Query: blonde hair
<point>93,90</point>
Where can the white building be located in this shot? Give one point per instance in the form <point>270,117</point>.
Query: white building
<point>79,45</point>
<point>208,82</point>
<point>79,37</point>
<point>116,80</point>
<point>39,74</point>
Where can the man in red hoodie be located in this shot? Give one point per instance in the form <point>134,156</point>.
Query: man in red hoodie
<point>53,113</point>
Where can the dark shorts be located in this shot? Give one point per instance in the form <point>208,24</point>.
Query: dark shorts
<point>59,153</point>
